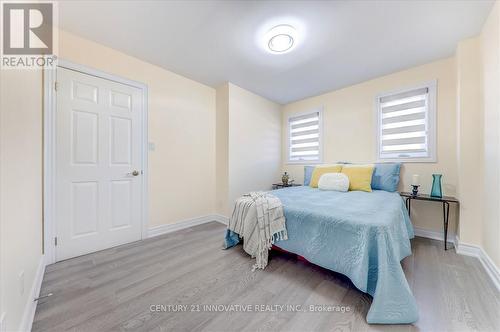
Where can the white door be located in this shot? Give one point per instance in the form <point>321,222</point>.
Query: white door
<point>98,164</point>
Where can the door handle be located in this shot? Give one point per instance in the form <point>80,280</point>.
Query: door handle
<point>133,173</point>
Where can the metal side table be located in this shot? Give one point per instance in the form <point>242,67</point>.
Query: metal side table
<point>446,200</point>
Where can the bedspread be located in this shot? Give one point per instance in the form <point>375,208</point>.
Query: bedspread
<point>359,234</point>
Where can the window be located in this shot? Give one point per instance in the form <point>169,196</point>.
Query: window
<point>304,137</point>
<point>407,124</point>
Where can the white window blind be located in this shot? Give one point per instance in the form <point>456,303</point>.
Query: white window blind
<point>304,137</point>
<point>406,124</point>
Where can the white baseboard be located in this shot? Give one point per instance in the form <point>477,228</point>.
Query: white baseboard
<point>222,219</point>
<point>169,228</point>
<point>30,308</point>
<point>435,235</point>
<point>465,249</point>
<point>486,261</point>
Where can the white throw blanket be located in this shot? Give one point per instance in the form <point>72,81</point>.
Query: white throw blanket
<point>258,219</point>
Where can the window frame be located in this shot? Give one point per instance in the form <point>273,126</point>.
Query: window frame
<point>431,124</point>
<point>318,110</point>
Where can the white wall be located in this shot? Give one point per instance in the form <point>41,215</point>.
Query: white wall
<point>20,189</point>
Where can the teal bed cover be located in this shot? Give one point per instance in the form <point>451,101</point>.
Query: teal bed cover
<point>362,235</point>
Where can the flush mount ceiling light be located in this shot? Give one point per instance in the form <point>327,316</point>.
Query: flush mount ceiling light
<point>281,39</point>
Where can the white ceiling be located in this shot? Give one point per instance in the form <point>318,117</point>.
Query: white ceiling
<point>344,42</point>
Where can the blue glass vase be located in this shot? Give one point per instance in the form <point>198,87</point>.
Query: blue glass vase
<point>436,186</point>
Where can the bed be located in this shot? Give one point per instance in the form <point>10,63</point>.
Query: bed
<point>363,235</point>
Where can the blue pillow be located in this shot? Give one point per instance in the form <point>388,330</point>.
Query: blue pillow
<point>386,176</point>
<point>308,171</point>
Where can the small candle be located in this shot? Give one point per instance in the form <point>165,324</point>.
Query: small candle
<point>415,181</point>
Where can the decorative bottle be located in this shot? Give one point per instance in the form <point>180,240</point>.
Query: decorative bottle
<point>436,186</point>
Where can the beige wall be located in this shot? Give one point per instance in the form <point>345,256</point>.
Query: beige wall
<point>20,189</point>
<point>469,140</point>
<point>211,146</point>
<point>181,125</point>
<point>181,169</point>
<point>254,142</point>
<point>222,151</point>
<point>349,131</point>
<point>490,82</point>
<point>248,144</point>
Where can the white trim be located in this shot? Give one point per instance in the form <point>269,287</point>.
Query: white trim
<point>466,250</point>
<point>431,124</point>
<point>49,148</point>
<point>30,307</point>
<point>478,252</point>
<point>99,73</point>
<point>222,219</point>
<point>491,268</point>
<point>435,235</point>
<point>49,143</point>
<point>321,140</point>
<point>169,228</point>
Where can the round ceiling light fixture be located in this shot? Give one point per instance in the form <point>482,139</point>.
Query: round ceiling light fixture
<point>281,39</point>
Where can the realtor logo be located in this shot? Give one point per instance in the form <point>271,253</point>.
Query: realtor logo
<point>27,28</point>
<point>27,34</point>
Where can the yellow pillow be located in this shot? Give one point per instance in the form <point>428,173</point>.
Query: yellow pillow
<point>360,176</point>
<point>320,170</point>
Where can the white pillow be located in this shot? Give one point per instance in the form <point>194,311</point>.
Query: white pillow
<point>334,181</point>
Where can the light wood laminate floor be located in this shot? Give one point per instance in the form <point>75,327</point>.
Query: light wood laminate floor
<point>114,289</point>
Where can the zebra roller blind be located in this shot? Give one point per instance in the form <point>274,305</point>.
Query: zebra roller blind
<point>406,124</point>
<point>304,137</point>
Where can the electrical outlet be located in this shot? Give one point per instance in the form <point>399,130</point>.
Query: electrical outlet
<point>21,282</point>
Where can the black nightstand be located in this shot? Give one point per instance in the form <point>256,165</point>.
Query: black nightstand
<point>446,200</point>
<point>281,185</point>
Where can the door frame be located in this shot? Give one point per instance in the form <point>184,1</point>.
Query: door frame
<point>49,149</point>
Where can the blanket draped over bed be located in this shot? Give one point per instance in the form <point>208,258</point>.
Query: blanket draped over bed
<point>361,235</point>
<point>258,219</point>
